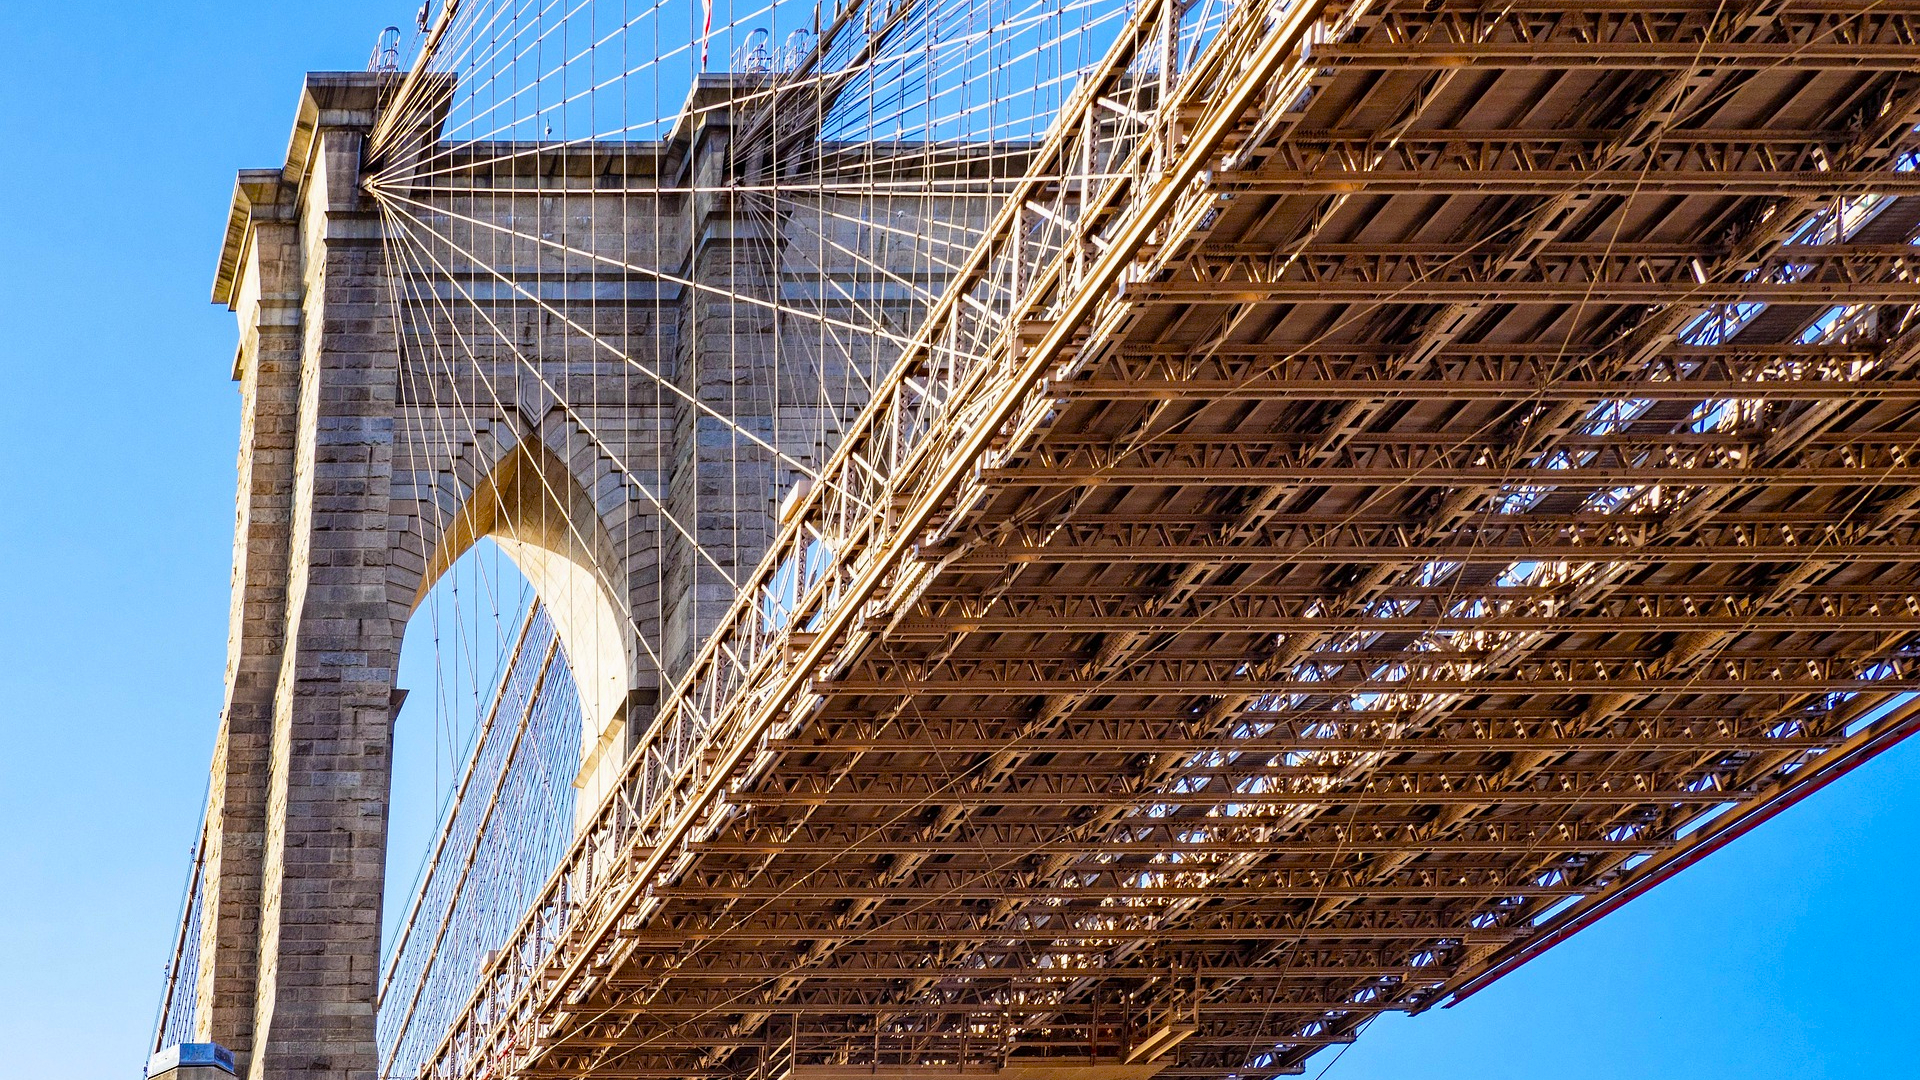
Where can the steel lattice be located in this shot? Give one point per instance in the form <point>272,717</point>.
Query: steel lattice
<point>1283,514</point>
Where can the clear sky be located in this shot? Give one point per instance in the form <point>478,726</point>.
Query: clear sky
<point>120,127</point>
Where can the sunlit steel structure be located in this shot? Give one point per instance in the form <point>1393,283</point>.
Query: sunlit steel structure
<point>1385,484</point>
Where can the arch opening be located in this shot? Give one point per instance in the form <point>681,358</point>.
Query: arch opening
<point>483,805</point>
<point>531,509</point>
<point>519,651</point>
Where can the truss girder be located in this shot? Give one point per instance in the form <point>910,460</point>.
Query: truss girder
<point>1375,532</point>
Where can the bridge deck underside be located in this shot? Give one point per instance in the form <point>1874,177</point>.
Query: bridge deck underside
<point>1411,568</point>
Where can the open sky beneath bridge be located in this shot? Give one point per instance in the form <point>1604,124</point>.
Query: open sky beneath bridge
<point>1783,956</point>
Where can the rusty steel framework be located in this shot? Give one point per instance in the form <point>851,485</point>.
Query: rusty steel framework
<point>1389,482</point>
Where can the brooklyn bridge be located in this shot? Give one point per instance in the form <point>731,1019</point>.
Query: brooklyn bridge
<point>1060,539</point>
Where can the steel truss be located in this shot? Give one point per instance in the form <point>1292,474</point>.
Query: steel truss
<point>1389,485</point>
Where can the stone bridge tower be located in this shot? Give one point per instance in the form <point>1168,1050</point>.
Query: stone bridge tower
<point>382,435</point>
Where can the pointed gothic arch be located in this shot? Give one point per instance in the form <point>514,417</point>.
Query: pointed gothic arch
<point>531,506</point>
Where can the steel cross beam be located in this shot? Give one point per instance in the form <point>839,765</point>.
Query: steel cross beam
<point>1674,291</point>
<point>1615,55</point>
<point>1567,178</point>
<point>1577,477</point>
<point>1499,372</point>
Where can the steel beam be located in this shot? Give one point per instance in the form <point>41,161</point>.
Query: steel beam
<point>1614,55</point>
<point>1827,293</point>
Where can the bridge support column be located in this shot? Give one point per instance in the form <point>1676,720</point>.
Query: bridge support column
<point>300,806</point>
<point>722,487</point>
<point>266,287</point>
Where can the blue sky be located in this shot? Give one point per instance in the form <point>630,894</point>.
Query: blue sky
<point>120,128</point>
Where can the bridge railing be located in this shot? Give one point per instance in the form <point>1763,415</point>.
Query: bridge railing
<point>1119,170</point>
